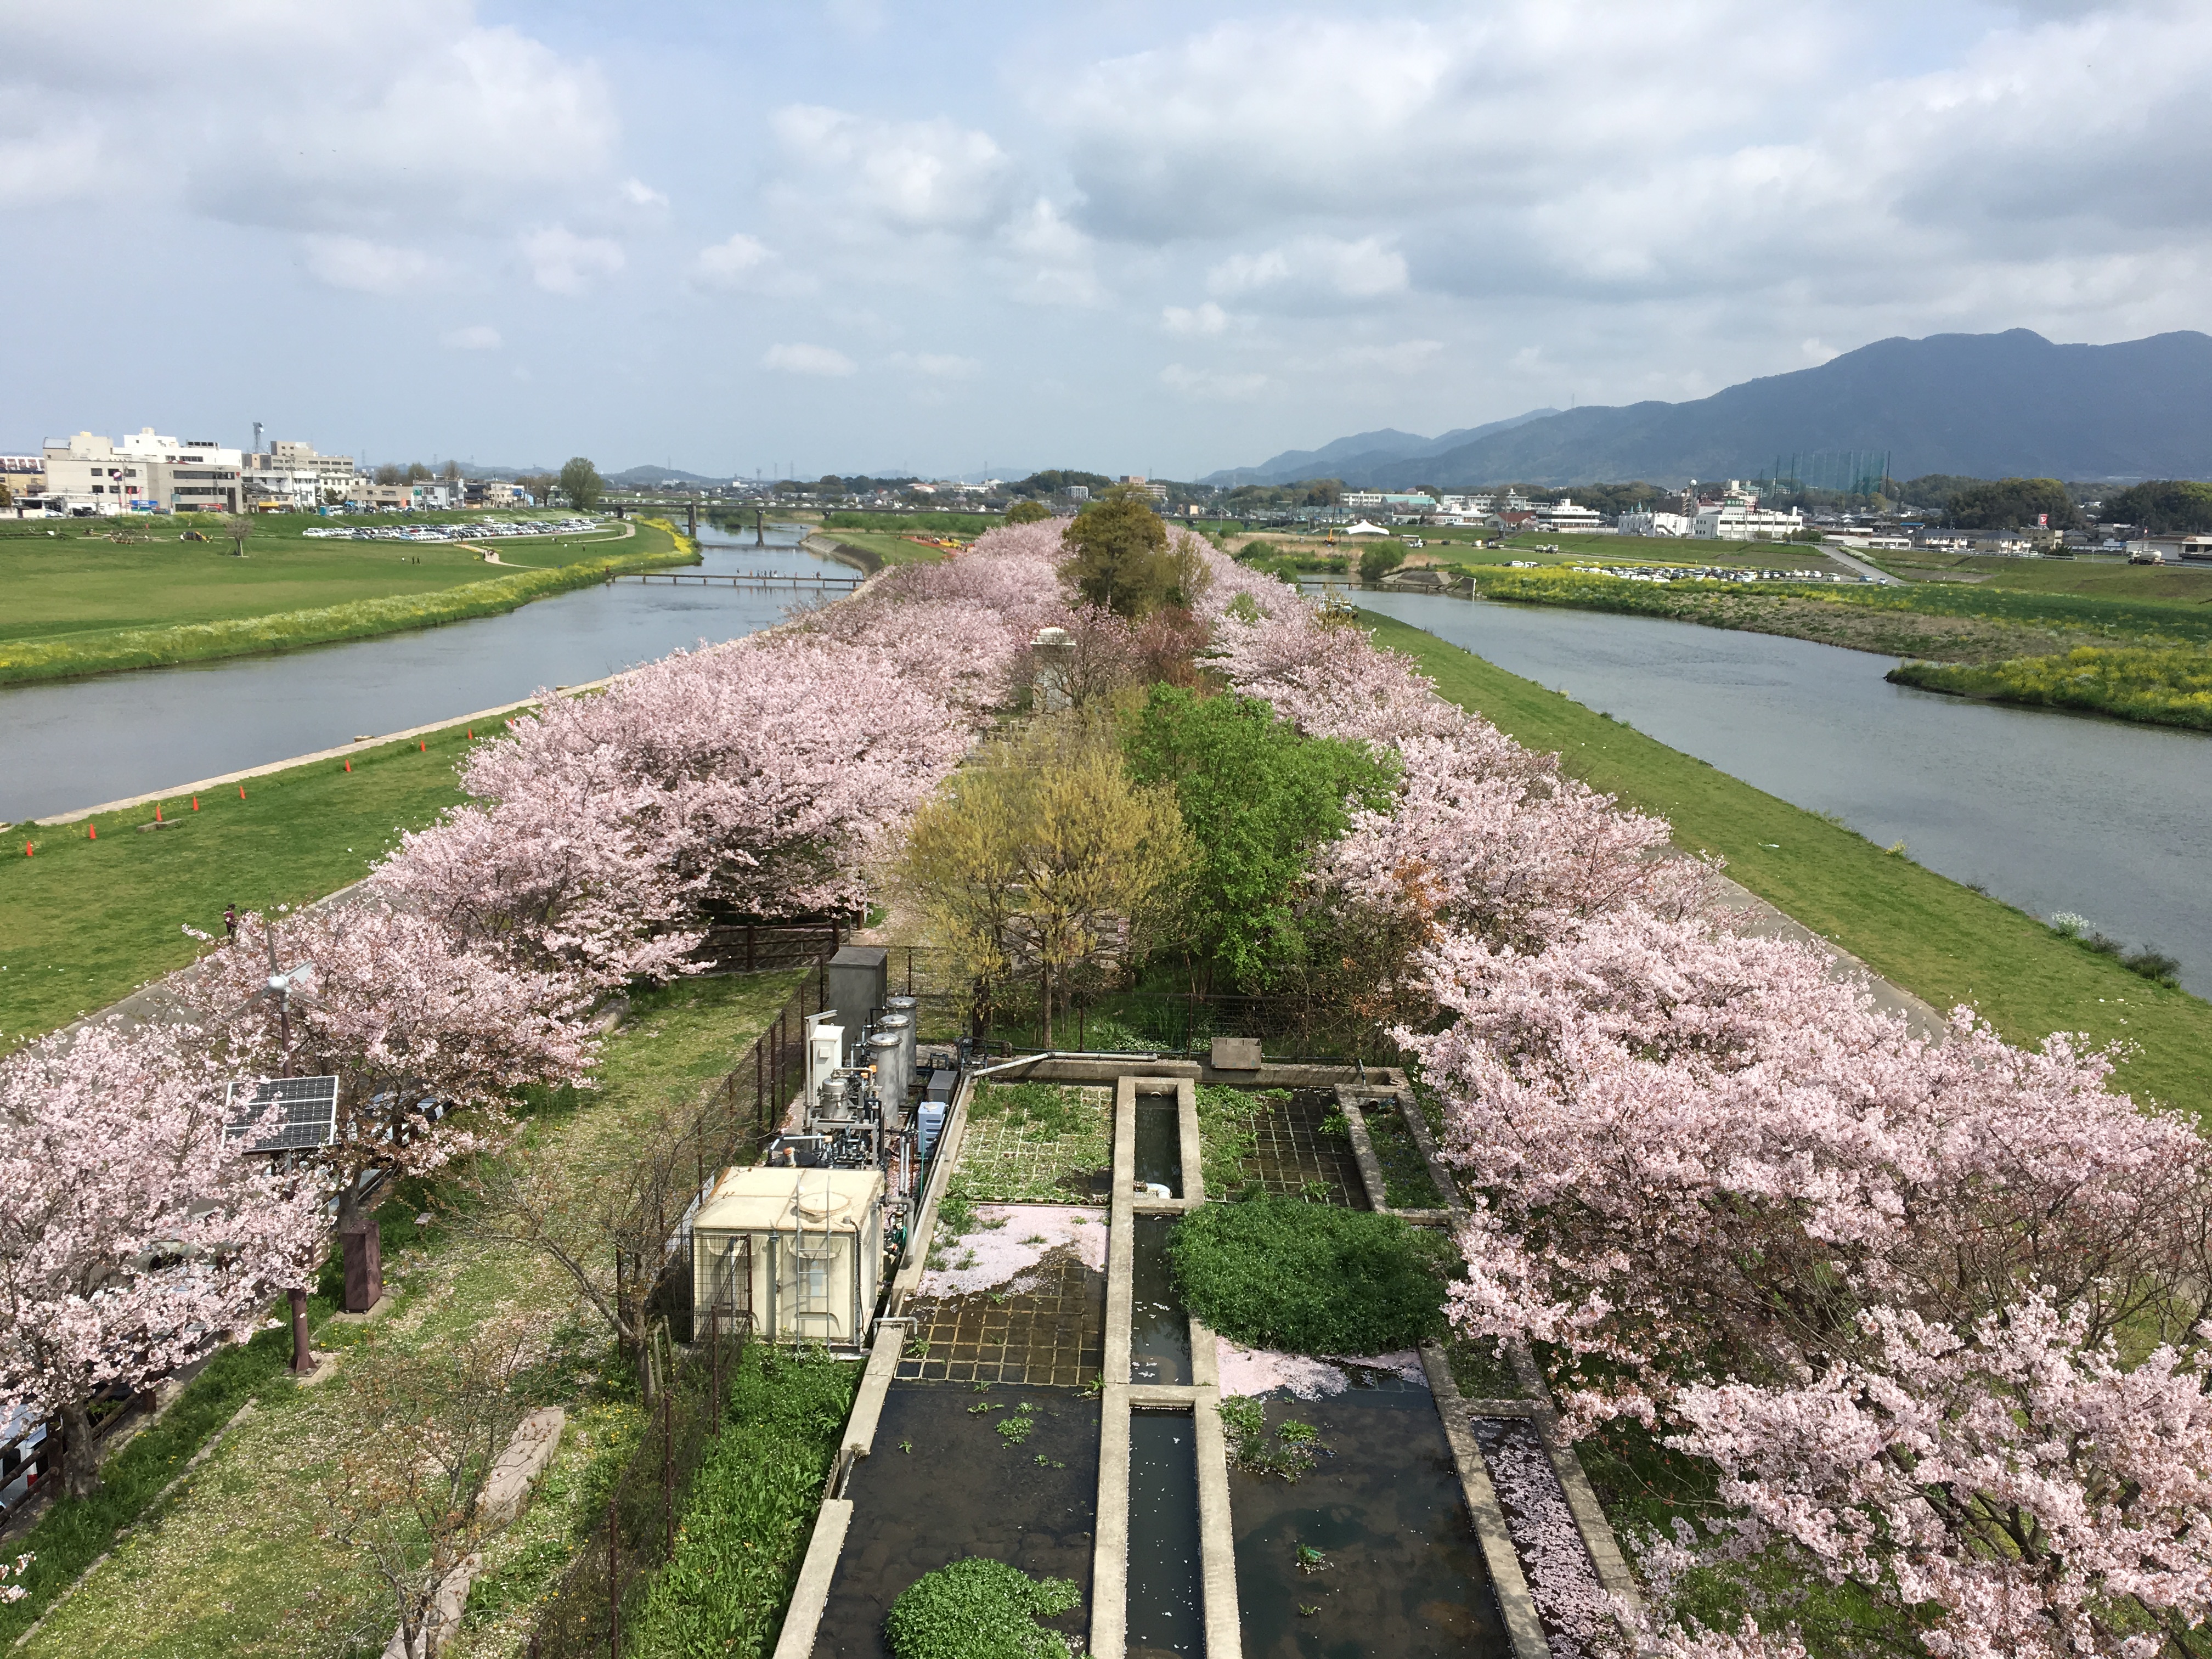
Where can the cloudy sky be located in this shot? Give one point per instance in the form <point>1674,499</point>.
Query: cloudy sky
<point>1128,237</point>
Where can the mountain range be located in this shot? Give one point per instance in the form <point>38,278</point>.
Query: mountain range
<point>1980,405</point>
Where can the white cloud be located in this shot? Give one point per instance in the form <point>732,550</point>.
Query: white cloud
<point>638,193</point>
<point>367,267</point>
<point>1211,386</point>
<point>1202,320</point>
<point>1048,260</point>
<point>1313,265</point>
<point>808,359</point>
<point>937,366</point>
<point>562,262</point>
<point>745,264</point>
<point>1402,357</point>
<point>902,175</point>
<point>478,337</point>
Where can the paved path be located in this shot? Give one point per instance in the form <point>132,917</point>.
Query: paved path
<point>1873,572</point>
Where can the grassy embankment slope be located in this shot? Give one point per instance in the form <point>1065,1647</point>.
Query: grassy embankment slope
<point>1956,623</point>
<point>83,922</point>
<point>1935,938</point>
<point>80,603</point>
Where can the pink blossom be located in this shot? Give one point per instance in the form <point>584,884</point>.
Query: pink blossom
<point>133,1238</point>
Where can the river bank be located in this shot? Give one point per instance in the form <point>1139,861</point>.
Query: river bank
<point>1936,937</point>
<point>1942,621</point>
<point>73,656</point>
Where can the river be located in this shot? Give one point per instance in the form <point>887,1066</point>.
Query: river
<point>66,746</point>
<point>2046,811</point>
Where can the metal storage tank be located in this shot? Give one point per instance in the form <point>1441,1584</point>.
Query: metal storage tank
<point>902,1026</point>
<point>911,1007</point>
<point>887,1054</point>
<point>793,1255</point>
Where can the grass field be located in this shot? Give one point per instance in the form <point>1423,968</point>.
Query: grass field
<point>98,606</point>
<point>83,922</point>
<point>1942,941</point>
<point>67,578</point>
<point>2112,578</point>
<point>892,549</point>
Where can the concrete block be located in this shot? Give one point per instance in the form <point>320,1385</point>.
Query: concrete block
<point>1236,1054</point>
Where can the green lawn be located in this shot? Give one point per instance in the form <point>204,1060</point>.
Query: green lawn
<point>891,547</point>
<point>1940,941</point>
<point>83,922</point>
<point>2103,578</point>
<point>75,580</point>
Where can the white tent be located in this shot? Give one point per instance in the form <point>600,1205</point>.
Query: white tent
<point>1364,528</point>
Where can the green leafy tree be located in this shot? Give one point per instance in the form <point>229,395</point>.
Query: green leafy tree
<point>1043,863</point>
<point>1258,798</point>
<point>1379,560</point>
<point>2014,504</point>
<point>1125,561</point>
<point>1028,513</point>
<point>582,484</point>
<point>418,473</point>
<point>2164,507</point>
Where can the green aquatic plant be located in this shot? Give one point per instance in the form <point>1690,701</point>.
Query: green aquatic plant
<point>980,1609</point>
<point>1280,1273</point>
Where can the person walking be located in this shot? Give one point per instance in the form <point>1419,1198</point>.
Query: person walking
<point>230,923</point>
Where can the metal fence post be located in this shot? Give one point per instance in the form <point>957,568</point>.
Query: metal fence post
<point>668,1459</point>
<point>614,1581</point>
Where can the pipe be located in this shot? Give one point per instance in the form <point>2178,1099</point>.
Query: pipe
<point>1059,1053</point>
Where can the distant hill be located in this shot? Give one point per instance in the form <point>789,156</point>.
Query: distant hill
<point>638,477</point>
<point>1359,454</point>
<point>1980,405</point>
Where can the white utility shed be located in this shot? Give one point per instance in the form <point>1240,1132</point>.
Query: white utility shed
<point>798,1254</point>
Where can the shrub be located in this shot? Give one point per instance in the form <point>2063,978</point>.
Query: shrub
<point>1379,560</point>
<point>2152,964</point>
<point>1279,1272</point>
<point>980,1609</point>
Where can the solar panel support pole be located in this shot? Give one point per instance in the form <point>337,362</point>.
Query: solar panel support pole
<point>302,1361</point>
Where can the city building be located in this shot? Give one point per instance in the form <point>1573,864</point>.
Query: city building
<point>1565,515</point>
<point>1736,516</point>
<point>25,478</point>
<point>145,472</point>
<point>1136,481</point>
<point>292,476</point>
<point>1645,522</point>
<point>1401,505</point>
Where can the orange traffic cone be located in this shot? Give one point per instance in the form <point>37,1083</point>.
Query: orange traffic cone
<point>424,747</point>
<point>348,765</point>
<point>196,803</point>
<point>26,849</point>
<point>241,792</point>
<point>92,832</point>
<point>157,812</point>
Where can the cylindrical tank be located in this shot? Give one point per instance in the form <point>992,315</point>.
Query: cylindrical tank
<point>901,1022</point>
<point>887,1054</point>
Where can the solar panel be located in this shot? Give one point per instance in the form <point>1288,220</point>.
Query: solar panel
<point>305,1115</point>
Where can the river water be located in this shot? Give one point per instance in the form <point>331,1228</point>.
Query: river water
<point>2048,811</point>
<point>67,746</point>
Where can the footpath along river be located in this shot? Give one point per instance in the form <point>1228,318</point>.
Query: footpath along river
<point>2048,811</point>
<point>72,745</point>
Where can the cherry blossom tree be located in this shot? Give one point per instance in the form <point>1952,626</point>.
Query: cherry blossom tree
<point>428,1038</point>
<point>1882,1282</point>
<point>134,1238</point>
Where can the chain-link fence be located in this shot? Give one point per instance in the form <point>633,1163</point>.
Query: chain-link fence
<point>603,1593</point>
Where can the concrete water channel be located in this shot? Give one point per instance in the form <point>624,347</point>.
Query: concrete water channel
<point>982,1431</point>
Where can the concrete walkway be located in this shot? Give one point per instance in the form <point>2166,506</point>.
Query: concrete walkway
<point>1873,572</point>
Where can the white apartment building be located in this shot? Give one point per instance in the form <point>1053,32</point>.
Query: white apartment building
<point>1733,521</point>
<point>1642,523</point>
<point>144,472</point>
<point>1387,501</point>
<point>291,476</point>
<point>1565,515</point>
